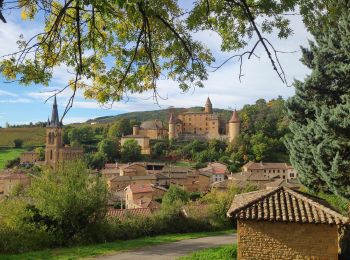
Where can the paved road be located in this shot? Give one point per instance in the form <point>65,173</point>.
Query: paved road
<point>172,250</point>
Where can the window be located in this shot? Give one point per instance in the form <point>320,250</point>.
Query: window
<point>292,175</point>
<point>265,171</point>
<point>51,155</point>
<point>284,171</point>
<point>273,171</point>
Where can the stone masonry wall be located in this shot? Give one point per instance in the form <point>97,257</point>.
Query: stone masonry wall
<point>266,240</point>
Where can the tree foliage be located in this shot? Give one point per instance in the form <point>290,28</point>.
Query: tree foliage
<point>130,151</point>
<point>124,47</point>
<point>68,199</point>
<point>319,112</point>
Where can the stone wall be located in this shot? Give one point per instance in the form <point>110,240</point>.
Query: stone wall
<point>267,240</point>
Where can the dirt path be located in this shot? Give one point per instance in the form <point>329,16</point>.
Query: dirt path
<point>172,250</point>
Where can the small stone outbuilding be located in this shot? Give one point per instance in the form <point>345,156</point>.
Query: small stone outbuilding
<point>281,223</point>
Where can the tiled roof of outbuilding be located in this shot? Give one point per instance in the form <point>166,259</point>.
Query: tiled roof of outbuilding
<point>123,214</point>
<point>283,205</point>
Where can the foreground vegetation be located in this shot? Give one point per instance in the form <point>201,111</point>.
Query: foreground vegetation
<point>67,207</point>
<point>228,252</point>
<point>78,252</point>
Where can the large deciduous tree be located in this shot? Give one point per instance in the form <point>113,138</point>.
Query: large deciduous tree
<point>319,113</point>
<point>120,47</point>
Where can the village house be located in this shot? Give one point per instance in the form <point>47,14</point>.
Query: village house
<point>29,158</point>
<point>12,180</point>
<point>217,171</point>
<point>271,170</point>
<point>140,196</point>
<point>281,223</point>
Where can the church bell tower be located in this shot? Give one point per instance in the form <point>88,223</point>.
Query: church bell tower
<point>54,139</point>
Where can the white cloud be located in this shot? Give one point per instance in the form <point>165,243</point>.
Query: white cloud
<point>7,93</point>
<point>15,100</point>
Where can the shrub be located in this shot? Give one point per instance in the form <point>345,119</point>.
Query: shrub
<point>68,200</point>
<point>12,163</point>
<point>18,143</point>
<point>17,232</point>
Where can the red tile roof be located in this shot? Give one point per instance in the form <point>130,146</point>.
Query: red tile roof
<point>140,188</point>
<point>123,214</point>
<point>262,166</point>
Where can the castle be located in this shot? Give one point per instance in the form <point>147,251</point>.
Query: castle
<point>203,124</point>
<point>55,151</point>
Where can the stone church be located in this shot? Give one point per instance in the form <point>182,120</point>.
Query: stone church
<point>55,150</point>
<point>203,124</point>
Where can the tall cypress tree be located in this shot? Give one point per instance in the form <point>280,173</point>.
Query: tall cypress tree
<point>319,113</point>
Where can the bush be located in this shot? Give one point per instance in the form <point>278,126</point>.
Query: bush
<point>68,201</point>
<point>12,163</point>
<point>17,232</point>
<point>18,143</point>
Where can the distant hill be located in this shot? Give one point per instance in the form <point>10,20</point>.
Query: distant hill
<point>162,114</point>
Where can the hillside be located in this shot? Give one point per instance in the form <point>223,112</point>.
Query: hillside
<point>31,136</point>
<point>162,114</point>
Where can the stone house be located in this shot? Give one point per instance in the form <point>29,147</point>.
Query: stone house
<point>217,171</point>
<point>281,223</point>
<point>29,158</point>
<point>140,196</point>
<point>13,180</point>
<point>271,170</point>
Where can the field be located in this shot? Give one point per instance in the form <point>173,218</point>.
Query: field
<point>8,154</point>
<point>107,248</point>
<point>31,136</point>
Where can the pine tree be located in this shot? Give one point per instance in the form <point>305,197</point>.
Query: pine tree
<point>319,113</point>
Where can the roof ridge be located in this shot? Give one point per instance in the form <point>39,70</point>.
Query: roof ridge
<point>316,204</point>
<point>269,192</point>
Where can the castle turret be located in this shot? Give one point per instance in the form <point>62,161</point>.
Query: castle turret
<point>135,130</point>
<point>208,106</point>
<point>171,127</point>
<point>234,126</point>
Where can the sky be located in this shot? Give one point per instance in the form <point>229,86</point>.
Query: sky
<point>24,104</point>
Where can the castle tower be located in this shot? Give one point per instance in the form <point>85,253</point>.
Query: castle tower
<point>171,127</point>
<point>54,139</point>
<point>234,126</point>
<point>208,106</point>
<point>135,130</point>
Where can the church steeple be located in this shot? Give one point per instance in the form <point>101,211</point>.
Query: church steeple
<point>55,121</point>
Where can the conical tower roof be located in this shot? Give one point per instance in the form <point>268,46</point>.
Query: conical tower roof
<point>55,121</point>
<point>172,119</point>
<point>208,103</point>
<point>235,118</point>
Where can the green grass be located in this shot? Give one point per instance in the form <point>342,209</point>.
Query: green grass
<point>184,164</point>
<point>79,252</point>
<point>218,253</point>
<point>9,154</point>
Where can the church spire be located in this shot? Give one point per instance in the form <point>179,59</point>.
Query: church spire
<point>55,122</point>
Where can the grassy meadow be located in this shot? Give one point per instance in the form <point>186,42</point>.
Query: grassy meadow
<point>31,136</point>
<point>9,154</point>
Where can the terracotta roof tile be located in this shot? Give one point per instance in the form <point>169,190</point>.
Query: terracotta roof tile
<point>123,214</point>
<point>140,188</point>
<point>283,205</point>
<point>262,166</point>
